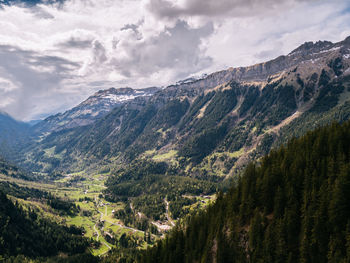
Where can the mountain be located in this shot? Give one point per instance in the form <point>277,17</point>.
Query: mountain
<point>33,122</point>
<point>209,127</point>
<point>13,135</point>
<point>292,207</point>
<point>11,170</point>
<point>91,109</point>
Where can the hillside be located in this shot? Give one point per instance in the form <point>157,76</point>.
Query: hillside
<point>210,127</point>
<point>13,134</point>
<point>23,233</point>
<point>291,207</point>
<point>13,171</point>
<point>90,110</point>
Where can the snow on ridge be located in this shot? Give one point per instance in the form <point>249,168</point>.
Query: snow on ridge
<point>116,98</point>
<point>328,50</point>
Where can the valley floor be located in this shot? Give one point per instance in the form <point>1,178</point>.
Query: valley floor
<point>96,214</point>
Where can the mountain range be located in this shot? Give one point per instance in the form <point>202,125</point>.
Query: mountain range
<point>158,154</point>
<point>207,127</point>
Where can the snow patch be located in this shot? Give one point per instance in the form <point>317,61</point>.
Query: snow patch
<point>117,98</point>
<point>327,50</point>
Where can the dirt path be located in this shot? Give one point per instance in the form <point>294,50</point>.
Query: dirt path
<point>126,227</point>
<point>98,233</point>
<point>167,212</point>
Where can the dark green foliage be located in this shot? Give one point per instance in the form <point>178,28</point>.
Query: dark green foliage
<point>311,120</point>
<point>337,65</point>
<point>122,255</point>
<point>222,103</point>
<point>236,139</point>
<point>149,192</point>
<point>64,207</point>
<point>203,144</point>
<point>328,97</point>
<point>324,78</point>
<point>250,97</point>
<point>13,171</point>
<point>176,206</point>
<point>25,233</point>
<point>170,114</point>
<point>137,170</point>
<point>293,207</point>
<point>78,258</point>
<point>13,135</point>
<point>22,192</point>
<point>199,102</point>
<point>275,104</point>
<point>310,87</point>
<point>148,183</point>
<point>265,144</point>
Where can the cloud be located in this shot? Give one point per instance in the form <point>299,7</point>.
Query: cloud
<point>75,43</point>
<point>176,47</point>
<point>28,78</point>
<point>212,8</point>
<point>53,54</point>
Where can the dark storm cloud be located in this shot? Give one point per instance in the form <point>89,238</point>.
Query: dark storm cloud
<point>169,9</point>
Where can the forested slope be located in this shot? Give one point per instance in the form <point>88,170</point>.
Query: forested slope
<point>24,234</point>
<point>291,207</point>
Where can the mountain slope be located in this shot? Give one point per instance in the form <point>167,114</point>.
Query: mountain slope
<point>212,126</point>
<point>293,207</point>
<point>25,233</point>
<point>13,171</point>
<point>92,109</point>
<point>13,134</point>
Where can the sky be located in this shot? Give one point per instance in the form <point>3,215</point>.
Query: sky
<point>54,54</point>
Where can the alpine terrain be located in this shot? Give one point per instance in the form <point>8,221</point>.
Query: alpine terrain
<point>247,164</point>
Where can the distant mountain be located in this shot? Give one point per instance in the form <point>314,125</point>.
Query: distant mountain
<point>13,134</point>
<point>33,122</point>
<point>91,109</point>
<point>210,126</point>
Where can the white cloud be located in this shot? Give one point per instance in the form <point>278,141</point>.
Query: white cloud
<point>54,55</point>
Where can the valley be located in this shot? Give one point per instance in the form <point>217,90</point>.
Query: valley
<point>96,215</point>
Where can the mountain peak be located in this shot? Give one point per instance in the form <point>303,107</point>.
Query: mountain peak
<point>4,113</point>
<point>312,47</point>
<point>116,90</point>
<point>347,40</point>
<point>93,108</point>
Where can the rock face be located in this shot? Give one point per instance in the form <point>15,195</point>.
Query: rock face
<point>92,109</point>
<point>307,52</point>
